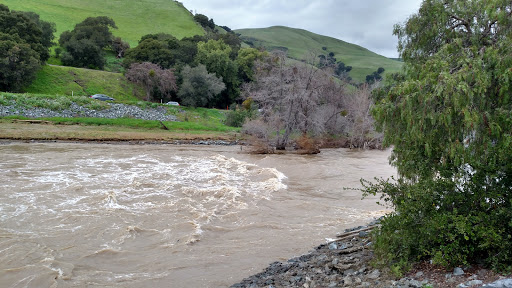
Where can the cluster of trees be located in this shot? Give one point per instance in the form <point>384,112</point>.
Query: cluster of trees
<point>375,76</point>
<point>449,118</point>
<point>85,45</point>
<point>209,69</point>
<point>340,70</point>
<point>300,100</point>
<point>25,40</point>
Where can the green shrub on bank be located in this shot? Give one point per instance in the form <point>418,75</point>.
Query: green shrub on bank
<point>448,117</point>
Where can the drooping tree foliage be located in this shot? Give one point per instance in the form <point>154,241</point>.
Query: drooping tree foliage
<point>85,43</point>
<point>24,46</point>
<point>448,116</point>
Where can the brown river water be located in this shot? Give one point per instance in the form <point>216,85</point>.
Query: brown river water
<point>104,215</point>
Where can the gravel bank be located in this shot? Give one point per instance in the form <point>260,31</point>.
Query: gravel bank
<point>346,262</point>
<point>115,111</point>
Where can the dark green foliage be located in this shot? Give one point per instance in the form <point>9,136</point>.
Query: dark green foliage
<point>199,87</point>
<point>227,29</point>
<point>150,50</point>
<point>164,50</point>
<point>341,71</point>
<point>19,63</point>
<point>448,117</point>
<point>204,21</point>
<point>83,53</point>
<point>238,115</point>
<point>17,23</point>
<point>84,45</point>
<point>119,46</point>
<point>375,76</point>
<point>47,28</point>
<point>24,46</point>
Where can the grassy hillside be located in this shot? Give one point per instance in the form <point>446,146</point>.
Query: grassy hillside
<point>134,18</point>
<point>54,80</point>
<point>300,42</point>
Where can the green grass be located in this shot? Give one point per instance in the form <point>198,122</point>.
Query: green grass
<point>52,102</point>
<point>53,80</point>
<point>192,119</point>
<point>300,43</point>
<point>134,18</point>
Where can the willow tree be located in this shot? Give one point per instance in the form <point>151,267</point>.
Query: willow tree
<point>448,116</point>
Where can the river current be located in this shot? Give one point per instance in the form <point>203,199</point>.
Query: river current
<point>105,215</point>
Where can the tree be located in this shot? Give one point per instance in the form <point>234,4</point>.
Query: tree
<point>47,28</point>
<point>215,55</point>
<point>23,48</point>
<point>293,97</point>
<point>164,50</point>
<point>204,21</point>
<point>17,23</point>
<point>85,43</point>
<point>19,63</point>
<point>153,78</point>
<point>246,60</point>
<point>199,87</point>
<point>375,76</point>
<point>120,47</point>
<point>341,71</point>
<point>448,116</point>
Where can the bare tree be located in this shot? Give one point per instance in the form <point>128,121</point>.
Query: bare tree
<point>292,97</point>
<point>152,77</point>
<point>360,124</point>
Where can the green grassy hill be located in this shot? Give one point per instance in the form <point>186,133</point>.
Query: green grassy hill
<point>56,80</point>
<point>134,18</point>
<point>300,42</point>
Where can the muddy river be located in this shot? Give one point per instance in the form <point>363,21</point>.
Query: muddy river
<point>103,215</point>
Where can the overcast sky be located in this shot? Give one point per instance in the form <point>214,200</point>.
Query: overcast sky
<point>368,23</point>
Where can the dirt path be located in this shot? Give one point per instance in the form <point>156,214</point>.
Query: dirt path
<point>46,131</point>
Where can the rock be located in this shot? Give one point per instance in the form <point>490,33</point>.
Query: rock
<point>333,246</point>
<point>418,275</point>
<point>333,284</point>
<point>363,234</point>
<point>374,274</point>
<point>474,283</point>
<point>458,271</point>
<point>348,281</point>
<point>504,283</point>
<point>415,284</point>
<point>349,272</point>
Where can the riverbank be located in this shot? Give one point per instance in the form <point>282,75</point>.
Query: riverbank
<point>47,131</point>
<point>347,262</point>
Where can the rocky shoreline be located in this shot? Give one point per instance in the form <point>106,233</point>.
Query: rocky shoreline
<point>75,110</point>
<point>346,262</point>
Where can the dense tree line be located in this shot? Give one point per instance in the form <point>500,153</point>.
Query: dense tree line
<point>220,55</point>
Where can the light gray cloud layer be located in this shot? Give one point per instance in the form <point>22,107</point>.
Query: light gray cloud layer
<point>368,23</point>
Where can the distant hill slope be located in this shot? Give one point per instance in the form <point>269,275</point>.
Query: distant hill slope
<point>134,18</point>
<point>300,42</point>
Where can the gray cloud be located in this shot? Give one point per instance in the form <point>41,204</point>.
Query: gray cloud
<point>368,23</point>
